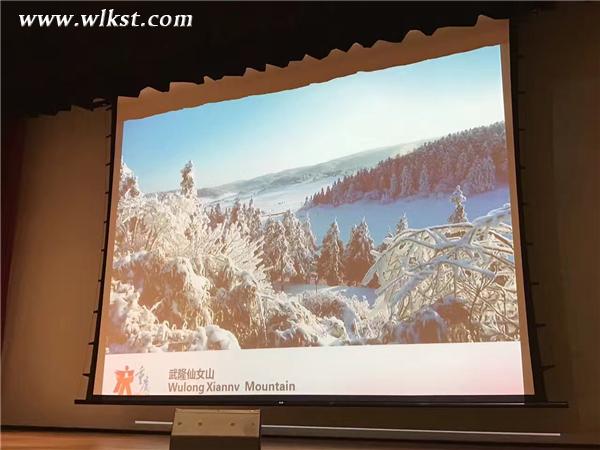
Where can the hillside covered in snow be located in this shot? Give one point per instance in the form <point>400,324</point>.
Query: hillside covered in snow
<point>475,159</point>
<point>287,180</point>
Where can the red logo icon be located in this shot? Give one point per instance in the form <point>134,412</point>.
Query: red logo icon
<point>124,380</point>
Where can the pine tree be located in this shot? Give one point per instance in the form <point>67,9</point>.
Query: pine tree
<point>291,230</point>
<point>253,223</point>
<point>482,176</point>
<point>302,246</point>
<point>330,262</point>
<point>358,257</point>
<point>424,181</point>
<point>445,173</point>
<point>406,182</point>
<point>459,215</point>
<point>235,214</point>
<point>394,186</point>
<point>402,224</point>
<point>462,165</point>
<point>215,216</point>
<point>309,235</point>
<point>187,180</point>
<point>276,257</point>
<point>128,186</point>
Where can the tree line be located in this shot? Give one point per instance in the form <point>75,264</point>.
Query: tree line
<point>476,159</point>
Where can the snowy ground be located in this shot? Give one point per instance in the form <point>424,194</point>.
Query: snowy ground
<point>381,217</point>
<point>361,293</point>
<point>276,200</point>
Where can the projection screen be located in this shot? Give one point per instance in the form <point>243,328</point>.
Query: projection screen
<point>344,228</point>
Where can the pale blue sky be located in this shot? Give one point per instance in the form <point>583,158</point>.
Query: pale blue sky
<point>256,135</point>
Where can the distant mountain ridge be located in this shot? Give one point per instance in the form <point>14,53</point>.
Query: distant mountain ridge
<point>339,167</point>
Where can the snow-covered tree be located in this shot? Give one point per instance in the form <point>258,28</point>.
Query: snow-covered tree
<point>330,263</point>
<point>236,212</point>
<point>406,188</point>
<point>394,186</point>
<point>309,235</point>
<point>481,176</point>
<point>216,216</point>
<point>276,252</point>
<point>128,184</point>
<point>402,224</point>
<point>253,223</point>
<point>188,185</point>
<point>301,244</point>
<point>459,215</point>
<point>358,257</point>
<point>461,167</point>
<point>445,173</point>
<point>424,187</point>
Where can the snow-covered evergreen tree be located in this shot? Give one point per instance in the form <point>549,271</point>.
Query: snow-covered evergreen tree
<point>235,213</point>
<point>394,186</point>
<point>402,224</point>
<point>309,235</point>
<point>188,185</point>
<point>461,167</point>
<point>276,254</point>
<point>481,176</point>
<point>301,246</point>
<point>406,182</point>
<point>253,223</point>
<point>445,173</point>
<point>128,184</point>
<point>424,187</point>
<point>358,257</point>
<point>330,263</point>
<point>459,215</point>
<point>216,216</point>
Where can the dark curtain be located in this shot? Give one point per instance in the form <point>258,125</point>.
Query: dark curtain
<point>13,132</point>
<point>48,69</point>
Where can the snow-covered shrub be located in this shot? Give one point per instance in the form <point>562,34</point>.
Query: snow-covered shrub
<point>326,305</point>
<point>171,286</point>
<point>444,321</point>
<point>472,261</point>
<point>290,324</point>
<point>177,264</point>
<point>134,328</point>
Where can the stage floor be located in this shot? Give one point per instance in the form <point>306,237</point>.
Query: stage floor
<point>72,440</point>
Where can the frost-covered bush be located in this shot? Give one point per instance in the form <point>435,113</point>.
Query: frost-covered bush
<point>172,286</point>
<point>178,266</point>
<point>134,328</point>
<point>350,311</point>
<point>472,261</point>
<point>447,320</point>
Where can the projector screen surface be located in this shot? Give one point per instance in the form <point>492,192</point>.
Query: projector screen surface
<point>354,237</point>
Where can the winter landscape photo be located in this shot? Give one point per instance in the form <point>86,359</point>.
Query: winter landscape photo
<point>371,209</point>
